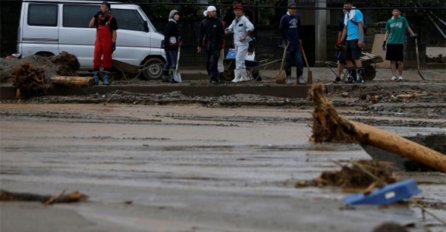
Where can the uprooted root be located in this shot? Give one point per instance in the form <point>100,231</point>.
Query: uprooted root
<point>46,199</point>
<point>328,125</point>
<point>67,64</point>
<point>29,81</point>
<point>353,178</point>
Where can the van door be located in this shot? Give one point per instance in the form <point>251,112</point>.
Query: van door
<point>39,29</point>
<point>75,36</point>
<point>133,41</point>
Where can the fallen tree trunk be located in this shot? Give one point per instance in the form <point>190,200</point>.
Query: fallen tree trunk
<point>74,81</point>
<point>329,126</point>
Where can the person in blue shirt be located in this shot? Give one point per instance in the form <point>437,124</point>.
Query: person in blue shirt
<point>290,27</point>
<point>354,34</point>
<point>340,52</point>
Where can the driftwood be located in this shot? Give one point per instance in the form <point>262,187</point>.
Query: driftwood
<point>74,81</point>
<point>29,81</point>
<point>45,199</point>
<point>328,126</point>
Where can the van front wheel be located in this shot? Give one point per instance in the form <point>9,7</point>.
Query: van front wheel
<point>153,68</point>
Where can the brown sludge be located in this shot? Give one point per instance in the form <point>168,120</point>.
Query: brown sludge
<point>67,64</point>
<point>353,179</point>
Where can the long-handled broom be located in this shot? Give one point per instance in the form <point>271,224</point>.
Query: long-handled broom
<point>281,76</point>
<point>310,73</point>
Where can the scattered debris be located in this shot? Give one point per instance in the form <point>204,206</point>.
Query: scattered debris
<point>67,64</point>
<point>390,227</point>
<point>29,81</point>
<point>329,126</point>
<point>45,199</point>
<point>353,178</point>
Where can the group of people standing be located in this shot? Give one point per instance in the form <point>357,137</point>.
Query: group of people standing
<point>350,42</point>
<point>211,42</point>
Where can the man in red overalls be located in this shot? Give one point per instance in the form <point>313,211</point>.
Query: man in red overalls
<point>106,27</point>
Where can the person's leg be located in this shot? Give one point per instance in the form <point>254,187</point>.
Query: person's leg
<point>236,69</point>
<point>288,62</point>
<point>299,66</point>
<point>348,59</point>
<point>393,68</point>
<point>208,64</point>
<point>213,64</point>
<point>240,62</point>
<point>221,67</point>
<point>400,58</point>
<point>97,61</point>
<point>356,56</point>
<point>107,62</point>
<point>167,66</point>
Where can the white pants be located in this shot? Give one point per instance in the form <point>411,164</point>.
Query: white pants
<point>240,55</point>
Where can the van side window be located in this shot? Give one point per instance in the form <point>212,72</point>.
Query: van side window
<point>77,15</point>
<point>128,19</point>
<point>42,15</point>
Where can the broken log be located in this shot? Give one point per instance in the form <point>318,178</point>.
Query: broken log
<point>329,126</point>
<point>45,199</point>
<point>74,81</point>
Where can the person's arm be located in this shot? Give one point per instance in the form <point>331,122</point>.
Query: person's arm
<point>230,29</point>
<point>201,36</point>
<point>92,22</point>
<point>249,29</point>
<point>360,21</point>
<point>298,30</point>
<point>409,29</point>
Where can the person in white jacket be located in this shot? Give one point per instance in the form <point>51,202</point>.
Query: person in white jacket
<point>242,28</point>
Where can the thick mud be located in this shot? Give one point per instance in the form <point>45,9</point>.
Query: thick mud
<point>189,167</point>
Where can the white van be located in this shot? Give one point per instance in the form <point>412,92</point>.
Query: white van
<point>49,27</point>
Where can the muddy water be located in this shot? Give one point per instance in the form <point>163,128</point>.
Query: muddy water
<point>185,168</point>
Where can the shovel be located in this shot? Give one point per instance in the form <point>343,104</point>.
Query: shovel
<point>176,73</point>
<point>418,59</point>
<point>310,73</point>
<point>281,76</point>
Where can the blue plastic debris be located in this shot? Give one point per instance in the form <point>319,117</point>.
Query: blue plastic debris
<point>389,194</point>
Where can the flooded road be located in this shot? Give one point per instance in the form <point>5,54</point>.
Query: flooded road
<point>183,168</point>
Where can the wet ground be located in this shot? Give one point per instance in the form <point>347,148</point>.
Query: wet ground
<point>178,162</point>
<point>193,167</point>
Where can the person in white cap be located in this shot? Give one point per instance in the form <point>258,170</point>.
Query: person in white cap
<point>210,40</point>
<point>242,28</point>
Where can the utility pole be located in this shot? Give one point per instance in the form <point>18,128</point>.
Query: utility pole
<point>321,32</point>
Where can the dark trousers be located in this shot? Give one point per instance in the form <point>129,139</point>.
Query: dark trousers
<point>212,64</point>
<point>293,57</point>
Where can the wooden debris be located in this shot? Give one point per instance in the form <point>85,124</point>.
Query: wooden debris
<point>45,199</point>
<point>75,81</point>
<point>328,126</point>
<point>29,81</point>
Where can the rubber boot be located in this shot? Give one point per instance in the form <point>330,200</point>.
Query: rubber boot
<point>360,75</point>
<point>236,76</point>
<point>301,80</point>
<point>106,78</point>
<point>244,75</point>
<point>165,77</point>
<point>289,81</point>
<point>96,77</point>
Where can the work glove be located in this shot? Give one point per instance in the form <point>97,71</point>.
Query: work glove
<point>98,14</point>
<point>113,46</point>
<point>339,44</point>
<point>414,36</point>
<point>384,45</point>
